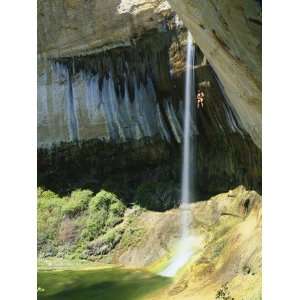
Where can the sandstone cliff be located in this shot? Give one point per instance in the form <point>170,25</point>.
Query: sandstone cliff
<point>76,27</point>
<point>229,34</point>
<point>110,87</point>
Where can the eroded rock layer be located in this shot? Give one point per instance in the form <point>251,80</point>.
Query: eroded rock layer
<point>125,93</point>
<point>77,27</point>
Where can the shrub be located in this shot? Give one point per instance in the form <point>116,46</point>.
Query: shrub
<point>94,225</point>
<point>132,236</point>
<point>113,220</point>
<point>48,200</point>
<point>103,200</point>
<point>117,208</point>
<point>105,211</point>
<point>112,237</point>
<point>48,250</point>
<point>77,203</point>
<point>48,217</point>
<point>115,214</point>
<point>67,225</point>
<point>41,193</point>
<point>64,250</point>
<point>105,243</point>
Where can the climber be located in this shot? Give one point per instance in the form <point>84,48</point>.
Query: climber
<point>200,98</point>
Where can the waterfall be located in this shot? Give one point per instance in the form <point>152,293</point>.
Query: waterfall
<point>185,246</point>
<point>187,157</point>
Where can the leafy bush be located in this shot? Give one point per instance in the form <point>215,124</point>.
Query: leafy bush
<point>105,211</point>
<point>104,200</point>
<point>67,225</point>
<point>49,217</point>
<point>117,208</point>
<point>48,250</point>
<point>113,236</point>
<point>132,236</point>
<point>41,193</point>
<point>113,220</point>
<point>94,225</point>
<point>115,214</point>
<point>48,200</point>
<point>64,250</point>
<point>77,203</point>
<point>105,243</point>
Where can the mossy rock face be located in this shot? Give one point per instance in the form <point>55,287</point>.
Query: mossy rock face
<point>93,164</point>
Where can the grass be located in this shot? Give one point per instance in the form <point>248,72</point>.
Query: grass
<point>110,283</point>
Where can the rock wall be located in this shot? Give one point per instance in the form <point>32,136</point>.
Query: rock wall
<point>125,93</point>
<point>229,259</point>
<point>128,135</point>
<point>77,27</point>
<point>110,116</point>
<point>229,34</point>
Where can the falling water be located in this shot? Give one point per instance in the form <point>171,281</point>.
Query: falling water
<point>185,247</point>
<point>186,165</point>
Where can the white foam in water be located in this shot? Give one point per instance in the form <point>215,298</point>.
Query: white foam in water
<point>183,254</point>
<point>186,247</point>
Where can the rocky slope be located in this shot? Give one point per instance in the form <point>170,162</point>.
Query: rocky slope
<point>229,34</point>
<point>228,227</point>
<point>229,261</point>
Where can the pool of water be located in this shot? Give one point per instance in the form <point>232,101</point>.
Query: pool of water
<point>101,284</point>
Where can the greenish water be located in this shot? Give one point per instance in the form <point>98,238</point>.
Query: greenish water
<point>100,284</point>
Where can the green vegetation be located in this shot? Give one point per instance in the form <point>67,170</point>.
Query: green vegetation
<point>49,218</point>
<point>77,203</point>
<point>120,168</point>
<point>104,283</point>
<point>80,225</point>
<point>218,248</point>
<point>40,290</point>
<point>104,212</point>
